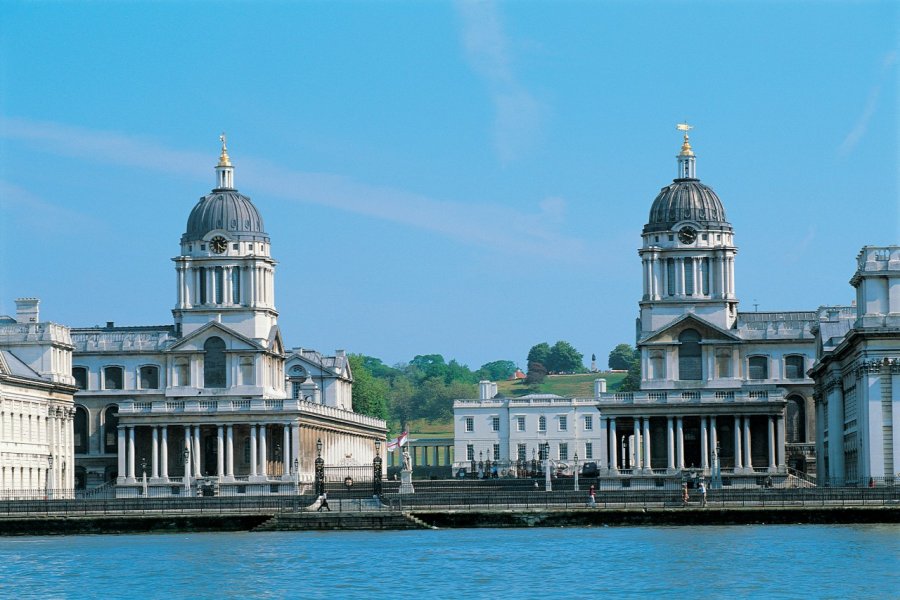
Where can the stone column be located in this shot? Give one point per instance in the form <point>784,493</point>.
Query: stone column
<point>220,452</point>
<point>670,445</point>
<point>713,437</point>
<point>164,452</point>
<point>772,464</point>
<point>613,446</point>
<point>779,442</point>
<point>263,459</point>
<point>122,453</point>
<point>154,454</point>
<point>197,470</point>
<point>189,447</point>
<point>635,453</point>
<point>229,452</point>
<point>253,447</point>
<point>286,451</point>
<point>738,463</point>
<point>748,461</point>
<point>679,443</point>
<point>646,441</point>
<point>704,445</point>
<point>131,454</point>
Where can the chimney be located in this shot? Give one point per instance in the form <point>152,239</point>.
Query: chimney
<point>27,310</point>
<point>599,387</point>
<point>110,324</point>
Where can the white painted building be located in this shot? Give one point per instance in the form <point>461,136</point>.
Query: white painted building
<point>857,375</point>
<point>36,409</point>
<point>213,400</point>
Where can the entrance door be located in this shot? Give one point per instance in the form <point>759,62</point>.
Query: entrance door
<point>210,454</point>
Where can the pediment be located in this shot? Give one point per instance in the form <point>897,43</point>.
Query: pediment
<point>196,341</point>
<point>708,332</point>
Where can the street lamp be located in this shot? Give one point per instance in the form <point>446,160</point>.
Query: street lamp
<point>576,470</point>
<point>144,478</point>
<point>376,469</point>
<point>187,471</point>
<point>50,477</point>
<point>480,464</point>
<point>533,462</point>
<point>320,469</point>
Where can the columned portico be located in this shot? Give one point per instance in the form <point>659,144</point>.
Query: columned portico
<point>646,445</point>
<point>748,460</point>
<point>679,443</point>
<point>670,447</point>
<point>613,447</point>
<point>738,463</point>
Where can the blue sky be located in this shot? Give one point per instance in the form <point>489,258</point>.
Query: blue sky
<point>458,178</point>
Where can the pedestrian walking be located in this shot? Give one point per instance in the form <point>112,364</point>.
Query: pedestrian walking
<point>323,502</point>
<point>702,494</point>
<point>684,494</point>
<point>592,501</point>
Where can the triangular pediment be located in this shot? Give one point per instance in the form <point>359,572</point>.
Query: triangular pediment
<point>274,342</point>
<point>194,342</point>
<point>708,332</point>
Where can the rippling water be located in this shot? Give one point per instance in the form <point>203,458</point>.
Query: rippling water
<point>802,561</point>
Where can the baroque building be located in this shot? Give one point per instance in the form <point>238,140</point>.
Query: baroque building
<point>213,401</point>
<point>36,408</point>
<point>720,388</point>
<point>857,375</point>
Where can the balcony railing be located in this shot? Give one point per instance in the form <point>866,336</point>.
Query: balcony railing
<point>689,397</point>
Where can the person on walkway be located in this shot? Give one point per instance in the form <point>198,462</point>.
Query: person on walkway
<point>323,502</point>
<point>684,494</point>
<point>592,501</point>
<point>702,494</point>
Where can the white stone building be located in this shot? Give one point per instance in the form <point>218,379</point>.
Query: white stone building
<point>207,402</point>
<point>857,375</point>
<point>36,409</point>
<point>717,384</point>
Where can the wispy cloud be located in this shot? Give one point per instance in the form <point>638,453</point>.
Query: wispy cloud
<point>491,226</point>
<point>516,112</point>
<point>862,123</point>
<point>23,208</point>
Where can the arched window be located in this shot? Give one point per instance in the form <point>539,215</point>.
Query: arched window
<point>795,423</point>
<point>542,424</point>
<point>81,430</point>
<point>759,367</point>
<point>214,363</point>
<point>149,377</point>
<point>657,364</point>
<point>112,378</point>
<point>793,367</point>
<point>111,430</point>
<point>81,377</point>
<point>690,365</point>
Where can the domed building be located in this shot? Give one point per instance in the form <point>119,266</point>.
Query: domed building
<point>213,403</point>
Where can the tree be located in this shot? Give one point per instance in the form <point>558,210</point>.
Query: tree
<point>621,356</point>
<point>497,370</point>
<point>564,358</point>
<point>369,394</point>
<point>632,381</point>
<point>431,365</point>
<point>539,353</point>
<point>402,400</point>
<point>537,372</point>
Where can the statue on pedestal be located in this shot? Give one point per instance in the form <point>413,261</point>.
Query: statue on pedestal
<point>407,460</point>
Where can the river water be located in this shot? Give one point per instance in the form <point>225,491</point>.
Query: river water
<point>760,561</point>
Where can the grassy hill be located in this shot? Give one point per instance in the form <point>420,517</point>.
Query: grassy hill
<point>581,386</point>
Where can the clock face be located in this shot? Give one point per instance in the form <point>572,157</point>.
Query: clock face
<point>687,235</point>
<point>218,244</point>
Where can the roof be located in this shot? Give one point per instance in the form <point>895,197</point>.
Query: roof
<point>10,364</point>
<point>686,200</point>
<point>225,210</point>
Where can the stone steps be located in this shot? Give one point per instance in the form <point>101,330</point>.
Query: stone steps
<point>317,521</point>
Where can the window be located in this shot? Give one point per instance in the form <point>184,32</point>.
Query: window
<point>542,424</point>
<point>670,274</point>
<point>149,377</point>
<point>795,423</point>
<point>495,423</point>
<point>588,450</point>
<point>521,452</point>
<point>657,364</point>
<point>112,378</point>
<point>496,452</point>
<point>723,362</point>
<point>81,430</point>
<point>520,423</point>
<point>588,423</point>
<point>690,365</point>
<point>470,452</point>
<point>295,390</point>
<point>202,274</point>
<point>544,451</point>
<point>181,372</point>
<point>759,367</point>
<point>214,363</point>
<point>81,377</point>
<point>689,276</point>
<point>236,246</point>
<point>793,367</point>
<point>563,451</point>
<point>235,284</point>
<point>111,430</point>
<point>563,423</point>
<point>470,424</point>
<point>247,378</point>
<point>704,273</point>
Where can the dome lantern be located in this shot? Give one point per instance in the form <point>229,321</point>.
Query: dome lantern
<point>224,170</point>
<point>687,165</point>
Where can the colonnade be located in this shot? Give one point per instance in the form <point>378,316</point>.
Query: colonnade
<point>238,285</point>
<point>639,456</point>
<point>709,275</point>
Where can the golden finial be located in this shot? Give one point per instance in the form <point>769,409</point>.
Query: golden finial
<point>224,161</point>
<point>686,146</point>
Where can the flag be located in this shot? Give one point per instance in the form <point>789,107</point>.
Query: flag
<point>398,441</point>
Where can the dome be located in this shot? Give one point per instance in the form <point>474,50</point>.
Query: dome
<point>686,200</point>
<point>226,210</point>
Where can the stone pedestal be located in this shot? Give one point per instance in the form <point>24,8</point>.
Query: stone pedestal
<point>406,486</point>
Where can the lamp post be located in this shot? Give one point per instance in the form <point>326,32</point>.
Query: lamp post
<point>320,469</point>
<point>548,486</point>
<point>376,469</point>
<point>533,462</point>
<point>297,470</point>
<point>187,466</point>
<point>716,481</point>
<point>576,471</point>
<point>480,465</point>
<point>144,475</point>
<point>50,477</point>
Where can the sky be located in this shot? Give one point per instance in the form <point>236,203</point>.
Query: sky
<point>461,178</point>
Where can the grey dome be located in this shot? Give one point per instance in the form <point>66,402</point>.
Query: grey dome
<point>226,210</point>
<point>686,200</point>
